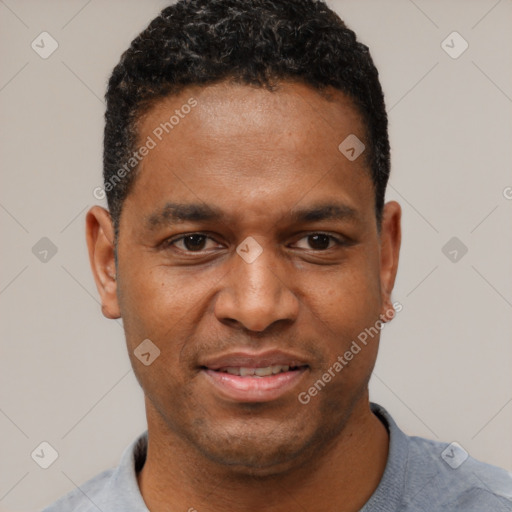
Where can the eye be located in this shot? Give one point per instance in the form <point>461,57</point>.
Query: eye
<point>319,242</point>
<point>193,242</point>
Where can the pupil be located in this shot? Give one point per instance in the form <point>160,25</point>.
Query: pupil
<point>194,242</point>
<point>319,241</point>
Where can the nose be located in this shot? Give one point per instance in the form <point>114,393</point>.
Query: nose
<point>256,295</point>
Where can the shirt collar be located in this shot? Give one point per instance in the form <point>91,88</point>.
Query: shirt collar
<point>123,488</point>
<point>389,493</point>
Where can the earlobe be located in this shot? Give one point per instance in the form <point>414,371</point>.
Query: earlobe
<point>100,242</point>
<point>391,236</point>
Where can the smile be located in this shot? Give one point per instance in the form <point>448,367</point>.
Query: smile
<point>243,377</point>
<point>258,372</point>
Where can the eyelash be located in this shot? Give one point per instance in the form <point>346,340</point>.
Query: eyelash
<point>172,242</point>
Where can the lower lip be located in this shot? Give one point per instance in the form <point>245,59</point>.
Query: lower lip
<point>254,389</point>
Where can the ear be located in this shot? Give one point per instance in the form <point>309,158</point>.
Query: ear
<point>390,239</point>
<point>100,241</point>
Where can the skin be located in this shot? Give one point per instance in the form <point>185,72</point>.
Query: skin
<point>258,156</point>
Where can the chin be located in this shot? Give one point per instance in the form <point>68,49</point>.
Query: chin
<point>256,459</point>
<point>258,452</point>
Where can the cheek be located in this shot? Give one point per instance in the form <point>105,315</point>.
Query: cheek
<point>345,299</point>
<point>145,293</point>
<point>164,305</point>
<point>153,310</point>
<point>344,308</point>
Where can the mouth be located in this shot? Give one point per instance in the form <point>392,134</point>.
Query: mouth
<point>265,371</point>
<point>248,378</point>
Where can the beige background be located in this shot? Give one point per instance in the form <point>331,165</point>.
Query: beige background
<point>444,367</point>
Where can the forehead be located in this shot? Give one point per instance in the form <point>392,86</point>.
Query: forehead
<point>221,109</point>
<point>231,143</point>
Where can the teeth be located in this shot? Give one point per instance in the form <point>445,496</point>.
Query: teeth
<point>258,372</point>
<point>263,372</point>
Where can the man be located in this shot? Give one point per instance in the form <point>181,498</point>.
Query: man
<point>250,254</point>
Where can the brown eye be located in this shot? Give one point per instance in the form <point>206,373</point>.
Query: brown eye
<point>319,241</point>
<point>194,242</point>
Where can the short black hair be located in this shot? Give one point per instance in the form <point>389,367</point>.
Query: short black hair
<point>254,42</point>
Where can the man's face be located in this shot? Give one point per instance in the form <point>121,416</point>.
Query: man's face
<point>252,170</point>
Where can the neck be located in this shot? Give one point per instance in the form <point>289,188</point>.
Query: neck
<point>342,477</point>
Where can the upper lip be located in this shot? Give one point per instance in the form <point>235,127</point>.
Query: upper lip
<point>253,360</point>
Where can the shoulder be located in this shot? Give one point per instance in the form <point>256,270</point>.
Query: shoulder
<point>425,475</point>
<point>446,477</point>
<point>85,497</point>
<point>113,489</point>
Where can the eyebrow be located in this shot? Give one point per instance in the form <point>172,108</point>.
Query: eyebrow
<point>325,211</point>
<point>175,213</point>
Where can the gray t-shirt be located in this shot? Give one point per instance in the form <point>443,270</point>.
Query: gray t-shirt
<point>420,476</point>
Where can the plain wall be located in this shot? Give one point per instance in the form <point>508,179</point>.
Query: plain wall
<point>444,368</point>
